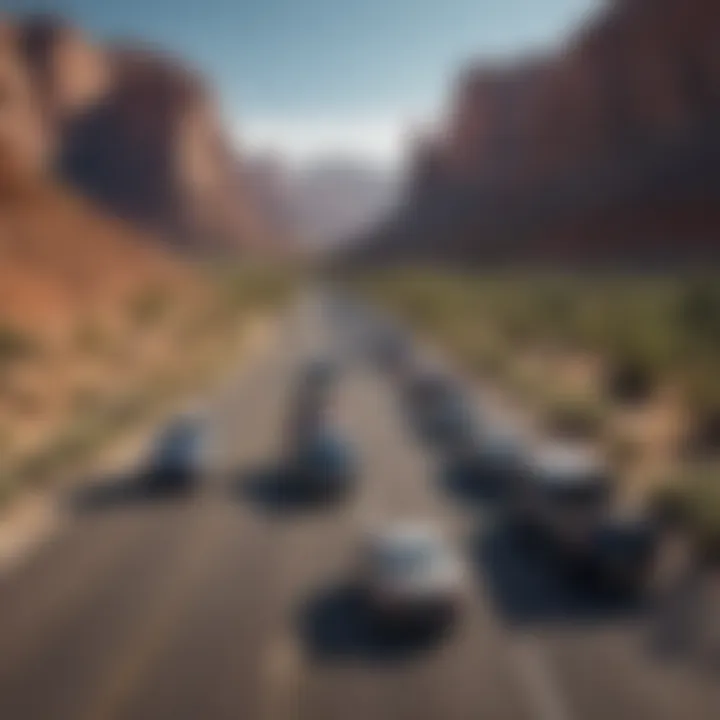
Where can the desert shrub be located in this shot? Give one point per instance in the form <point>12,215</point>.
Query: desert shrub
<point>575,417</point>
<point>629,380</point>
<point>252,288</point>
<point>702,398</point>
<point>706,430</point>
<point>15,346</point>
<point>486,356</point>
<point>525,383</point>
<point>640,353</point>
<point>149,306</point>
<point>698,313</point>
<point>649,331</point>
<point>691,500</point>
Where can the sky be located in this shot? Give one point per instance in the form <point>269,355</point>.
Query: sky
<point>319,77</point>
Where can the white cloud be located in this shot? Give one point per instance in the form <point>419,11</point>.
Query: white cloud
<point>378,140</point>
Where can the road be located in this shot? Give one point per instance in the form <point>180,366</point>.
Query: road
<point>234,604</point>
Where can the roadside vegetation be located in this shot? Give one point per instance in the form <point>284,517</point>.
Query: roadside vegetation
<point>628,361</point>
<point>63,401</point>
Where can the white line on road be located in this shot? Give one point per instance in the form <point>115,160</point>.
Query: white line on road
<point>534,672</point>
<point>280,680</point>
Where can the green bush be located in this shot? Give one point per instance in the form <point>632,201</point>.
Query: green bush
<point>528,386</point>
<point>650,332</point>
<point>489,363</point>
<point>702,386</point>
<point>631,381</point>
<point>255,287</point>
<point>149,307</point>
<point>15,346</point>
<point>698,312</point>
<point>691,500</point>
<point>575,417</point>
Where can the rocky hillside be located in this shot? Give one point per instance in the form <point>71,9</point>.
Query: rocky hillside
<point>130,128</point>
<point>62,261</point>
<point>606,149</point>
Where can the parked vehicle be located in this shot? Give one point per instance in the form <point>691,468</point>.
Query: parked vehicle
<point>310,404</point>
<point>392,349</point>
<point>324,466</point>
<point>174,463</point>
<point>625,553</point>
<point>410,576</point>
<point>491,459</point>
<point>562,501</point>
<point>438,408</point>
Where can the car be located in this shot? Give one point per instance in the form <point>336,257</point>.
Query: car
<point>410,576</point>
<point>493,458</point>
<point>310,404</point>
<point>324,466</point>
<point>439,408</point>
<point>392,349</point>
<point>561,500</point>
<point>319,374</point>
<point>174,463</point>
<point>625,551</point>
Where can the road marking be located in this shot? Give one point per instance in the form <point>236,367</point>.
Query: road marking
<point>171,600</point>
<point>280,680</point>
<point>533,669</point>
<point>63,589</point>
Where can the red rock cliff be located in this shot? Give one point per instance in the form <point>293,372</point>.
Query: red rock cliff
<point>618,129</point>
<point>133,129</point>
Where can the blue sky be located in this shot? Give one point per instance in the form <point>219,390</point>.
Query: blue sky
<point>314,76</point>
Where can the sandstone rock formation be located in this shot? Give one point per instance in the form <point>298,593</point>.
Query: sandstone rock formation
<point>131,128</point>
<point>608,148</point>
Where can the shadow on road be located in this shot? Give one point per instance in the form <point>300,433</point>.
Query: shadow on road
<point>528,591</point>
<point>122,490</point>
<point>337,626</point>
<point>272,489</point>
<point>528,587</point>
<point>468,486</point>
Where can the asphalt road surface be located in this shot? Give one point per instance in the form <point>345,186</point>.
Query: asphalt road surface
<point>233,603</point>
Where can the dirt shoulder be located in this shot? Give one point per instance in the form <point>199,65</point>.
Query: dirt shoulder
<point>34,514</point>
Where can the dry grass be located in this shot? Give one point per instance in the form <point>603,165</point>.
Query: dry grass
<point>97,323</point>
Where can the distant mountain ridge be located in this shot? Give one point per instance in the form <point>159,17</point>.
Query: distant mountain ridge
<point>131,128</point>
<point>324,203</point>
<point>606,150</point>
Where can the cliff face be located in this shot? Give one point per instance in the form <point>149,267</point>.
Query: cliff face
<point>643,78</point>
<point>24,136</point>
<point>132,129</point>
<point>618,129</point>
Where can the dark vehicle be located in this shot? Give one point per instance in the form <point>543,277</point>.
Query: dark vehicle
<point>319,374</point>
<point>439,409</point>
<point>562,500</point>
<point>625,553</point>
<point>493,460</point>
<point>324,466</point>
<point>392,350</point>
<point>309,407</point>
<point>174,465</point>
